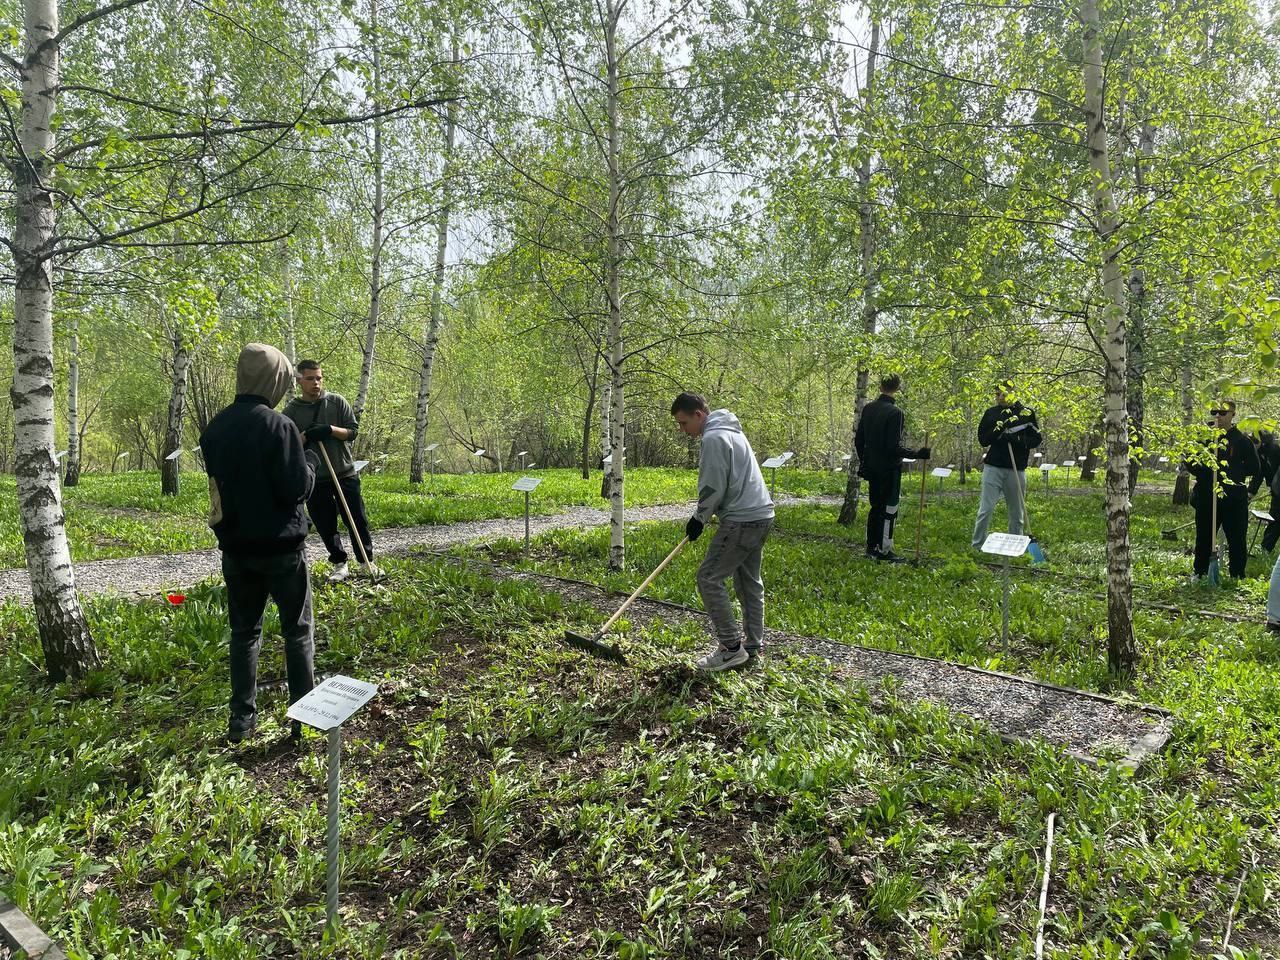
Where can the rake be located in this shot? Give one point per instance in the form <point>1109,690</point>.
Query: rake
<point>595,644</point>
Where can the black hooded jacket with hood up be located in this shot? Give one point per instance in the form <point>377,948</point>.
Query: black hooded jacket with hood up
<point>259,477</point>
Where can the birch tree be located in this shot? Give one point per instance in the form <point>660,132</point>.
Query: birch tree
<point>1122,654</point>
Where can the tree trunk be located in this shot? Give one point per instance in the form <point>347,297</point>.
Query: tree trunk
<point>617,435</point>
<point>1138,319</point>
<point>588,416</point>
<point>1122,654</point>
<point>866,226</point>
<point>1091,442</point>
<point>170,469</point>
<point>421,417</point>
<point>606,425</point>
<point>1182,487</point>
<point>375,265</point>
<point>69,650</point>
<point>286,273</point>
<point>72,476</point>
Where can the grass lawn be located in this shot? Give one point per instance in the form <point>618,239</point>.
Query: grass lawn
<point>504,796</point>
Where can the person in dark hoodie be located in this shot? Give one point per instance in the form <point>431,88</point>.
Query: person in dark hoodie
<point>325,418</point>
<point>1237,462</point>
<point>730,486</point>
<point>878,441</point>
<point>1269,461</point>
<point>259,479</point>
<point>1010,432</point>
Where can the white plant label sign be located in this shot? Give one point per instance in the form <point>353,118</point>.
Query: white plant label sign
<point>333,702</point>
<point>773,463</point>
<point>526,484</point>
<point>1006,544</point>
<point>941,472</point>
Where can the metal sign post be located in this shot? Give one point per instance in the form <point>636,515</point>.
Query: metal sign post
<point>772,464</point>
<point>522,454</point>
<point>327,708</point>
<point>1045,470</point>
<point>431,463</point>
<point>1004,546</point>
<point>526,484</point>
<point>941,473</point>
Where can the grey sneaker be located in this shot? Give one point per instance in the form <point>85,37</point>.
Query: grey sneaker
<point>722,659</point>
<point>339,572</point>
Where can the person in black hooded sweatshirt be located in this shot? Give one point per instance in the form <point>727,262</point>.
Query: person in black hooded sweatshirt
<point>1237,462</point>
<point>878,441</point>
<point>259,480</point>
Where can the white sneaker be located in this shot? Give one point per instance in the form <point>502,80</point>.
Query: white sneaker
<point>372,570</point>
<point>722,659</point>
<point>339,572</point>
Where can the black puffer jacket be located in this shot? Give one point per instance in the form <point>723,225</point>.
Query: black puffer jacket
<point>1013,426</point>
<point>259,476</point>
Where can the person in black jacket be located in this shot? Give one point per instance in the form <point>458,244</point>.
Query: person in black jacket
<point>1010,432</point>
<point>1269,461</point>
<point>259,479</point>
<point>878,441</point>
<point>1237,462</point>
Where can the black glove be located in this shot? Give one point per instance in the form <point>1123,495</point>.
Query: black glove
<point>923,453</point>
<point>321,431</point>
<point>693,529</point>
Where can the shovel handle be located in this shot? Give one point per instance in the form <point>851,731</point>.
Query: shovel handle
<point>640,589</point>
<point>351,524</point>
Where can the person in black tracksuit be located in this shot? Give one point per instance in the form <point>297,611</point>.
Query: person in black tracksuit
<point>1269,459</point>
<point>1237,462</point>
<point>878,441</point>
<point>259,479</point>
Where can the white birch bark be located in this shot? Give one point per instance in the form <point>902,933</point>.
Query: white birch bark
<point>375,265</point>
<point>866,229</point>
<point>72,475</point>
<point>617,438</point>
<point>417,464</point>
<point>1121,646</point>
<point>68,646</point>
<point>170,470</point>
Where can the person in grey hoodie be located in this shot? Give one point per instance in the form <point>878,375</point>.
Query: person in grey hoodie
<point>730,486</point>
<point>326,419</point>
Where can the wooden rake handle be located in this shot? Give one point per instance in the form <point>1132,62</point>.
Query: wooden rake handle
<point>920,515</point>
<point>640,589</point>
<point>346,510</point>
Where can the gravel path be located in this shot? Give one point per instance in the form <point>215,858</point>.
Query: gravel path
<point>1085,725</point>
<point>152,574</point>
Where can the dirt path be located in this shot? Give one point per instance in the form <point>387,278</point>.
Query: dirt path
<point>152,574</point>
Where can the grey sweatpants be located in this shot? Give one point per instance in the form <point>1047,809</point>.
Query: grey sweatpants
<point>736,550</point>
<point>999,482</point>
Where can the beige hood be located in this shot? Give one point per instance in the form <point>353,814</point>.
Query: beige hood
<point>263,371</point>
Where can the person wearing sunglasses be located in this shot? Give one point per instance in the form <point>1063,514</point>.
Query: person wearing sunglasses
<point>1237,461</point>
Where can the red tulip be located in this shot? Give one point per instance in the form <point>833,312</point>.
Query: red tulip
<point>177,599</point>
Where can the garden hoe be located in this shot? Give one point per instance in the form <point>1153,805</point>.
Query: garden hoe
<point>1033,548</point>
<point>1172,533</point>
<point>595,644</point>
<point>346,512</point>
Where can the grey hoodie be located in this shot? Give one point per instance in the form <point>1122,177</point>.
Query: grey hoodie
<point>729,480</point>
<point>263,371</point>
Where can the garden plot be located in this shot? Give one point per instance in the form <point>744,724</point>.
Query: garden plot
<point>1085,725</point>
<point>506,796</point>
